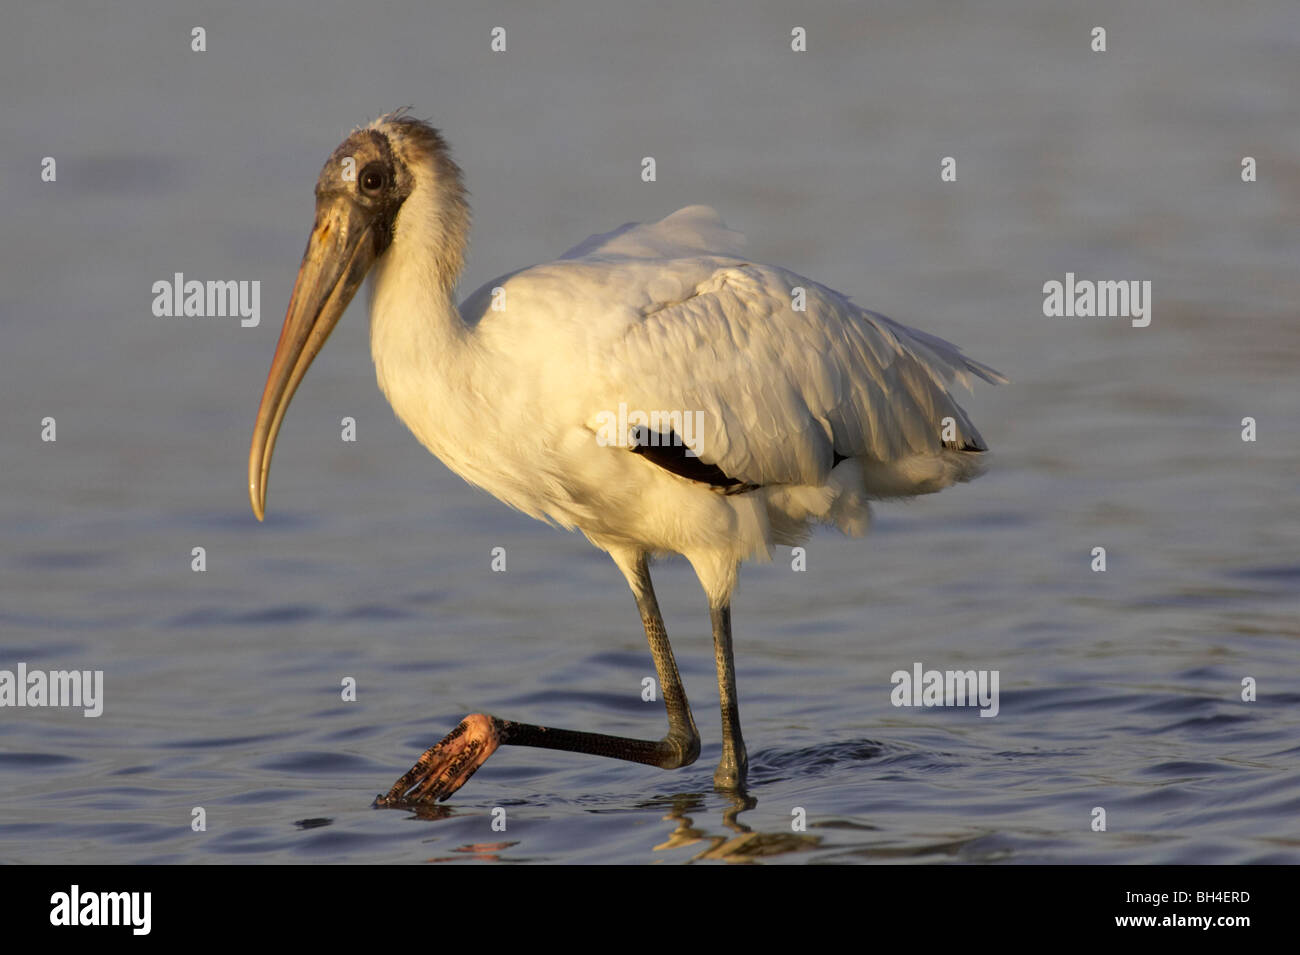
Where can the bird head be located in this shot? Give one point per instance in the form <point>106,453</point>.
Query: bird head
<point>364,202</point>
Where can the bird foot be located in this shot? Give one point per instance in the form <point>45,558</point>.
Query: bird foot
<point>448,765</point>
<point>730,777</point>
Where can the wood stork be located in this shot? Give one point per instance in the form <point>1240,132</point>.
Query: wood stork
<point>803,406</point>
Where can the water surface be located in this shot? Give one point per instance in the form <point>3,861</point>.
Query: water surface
<point>1120,689</point>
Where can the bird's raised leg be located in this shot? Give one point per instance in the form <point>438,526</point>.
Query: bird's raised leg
<point>734,764</point>
<point>448,765</point>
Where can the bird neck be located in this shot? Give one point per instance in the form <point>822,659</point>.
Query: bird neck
<point>427,360</point>
<point>413,313</point>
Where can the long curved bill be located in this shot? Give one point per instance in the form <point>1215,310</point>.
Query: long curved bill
<point>339,252</point>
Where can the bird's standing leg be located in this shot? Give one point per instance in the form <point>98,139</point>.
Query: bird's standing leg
<point>734,764</point>
<point>448,765</point>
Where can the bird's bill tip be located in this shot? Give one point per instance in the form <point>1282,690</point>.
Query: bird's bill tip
<point>258,500</point>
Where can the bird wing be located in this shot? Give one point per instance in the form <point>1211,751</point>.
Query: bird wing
<point>666,318</point>
<point>779,395</point>
<point>604,271</point>
<point>694,230</point>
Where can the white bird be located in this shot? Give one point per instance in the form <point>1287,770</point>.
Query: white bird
<point>653,388</point>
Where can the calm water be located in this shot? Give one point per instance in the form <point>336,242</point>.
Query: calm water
<point>1119,690</point>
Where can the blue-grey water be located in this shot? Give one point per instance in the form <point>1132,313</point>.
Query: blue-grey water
<point>1120,690</point>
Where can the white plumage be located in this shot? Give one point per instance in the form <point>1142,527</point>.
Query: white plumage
<point>669,316</point>
<point>800,414</point>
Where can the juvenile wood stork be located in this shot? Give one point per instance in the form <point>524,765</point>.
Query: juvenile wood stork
<point>803,409</point>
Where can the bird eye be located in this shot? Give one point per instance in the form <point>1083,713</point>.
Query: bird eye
<point>373,179</point>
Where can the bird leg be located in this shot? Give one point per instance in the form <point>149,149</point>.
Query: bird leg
<point>734,764</point>
<point>447,766</point>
